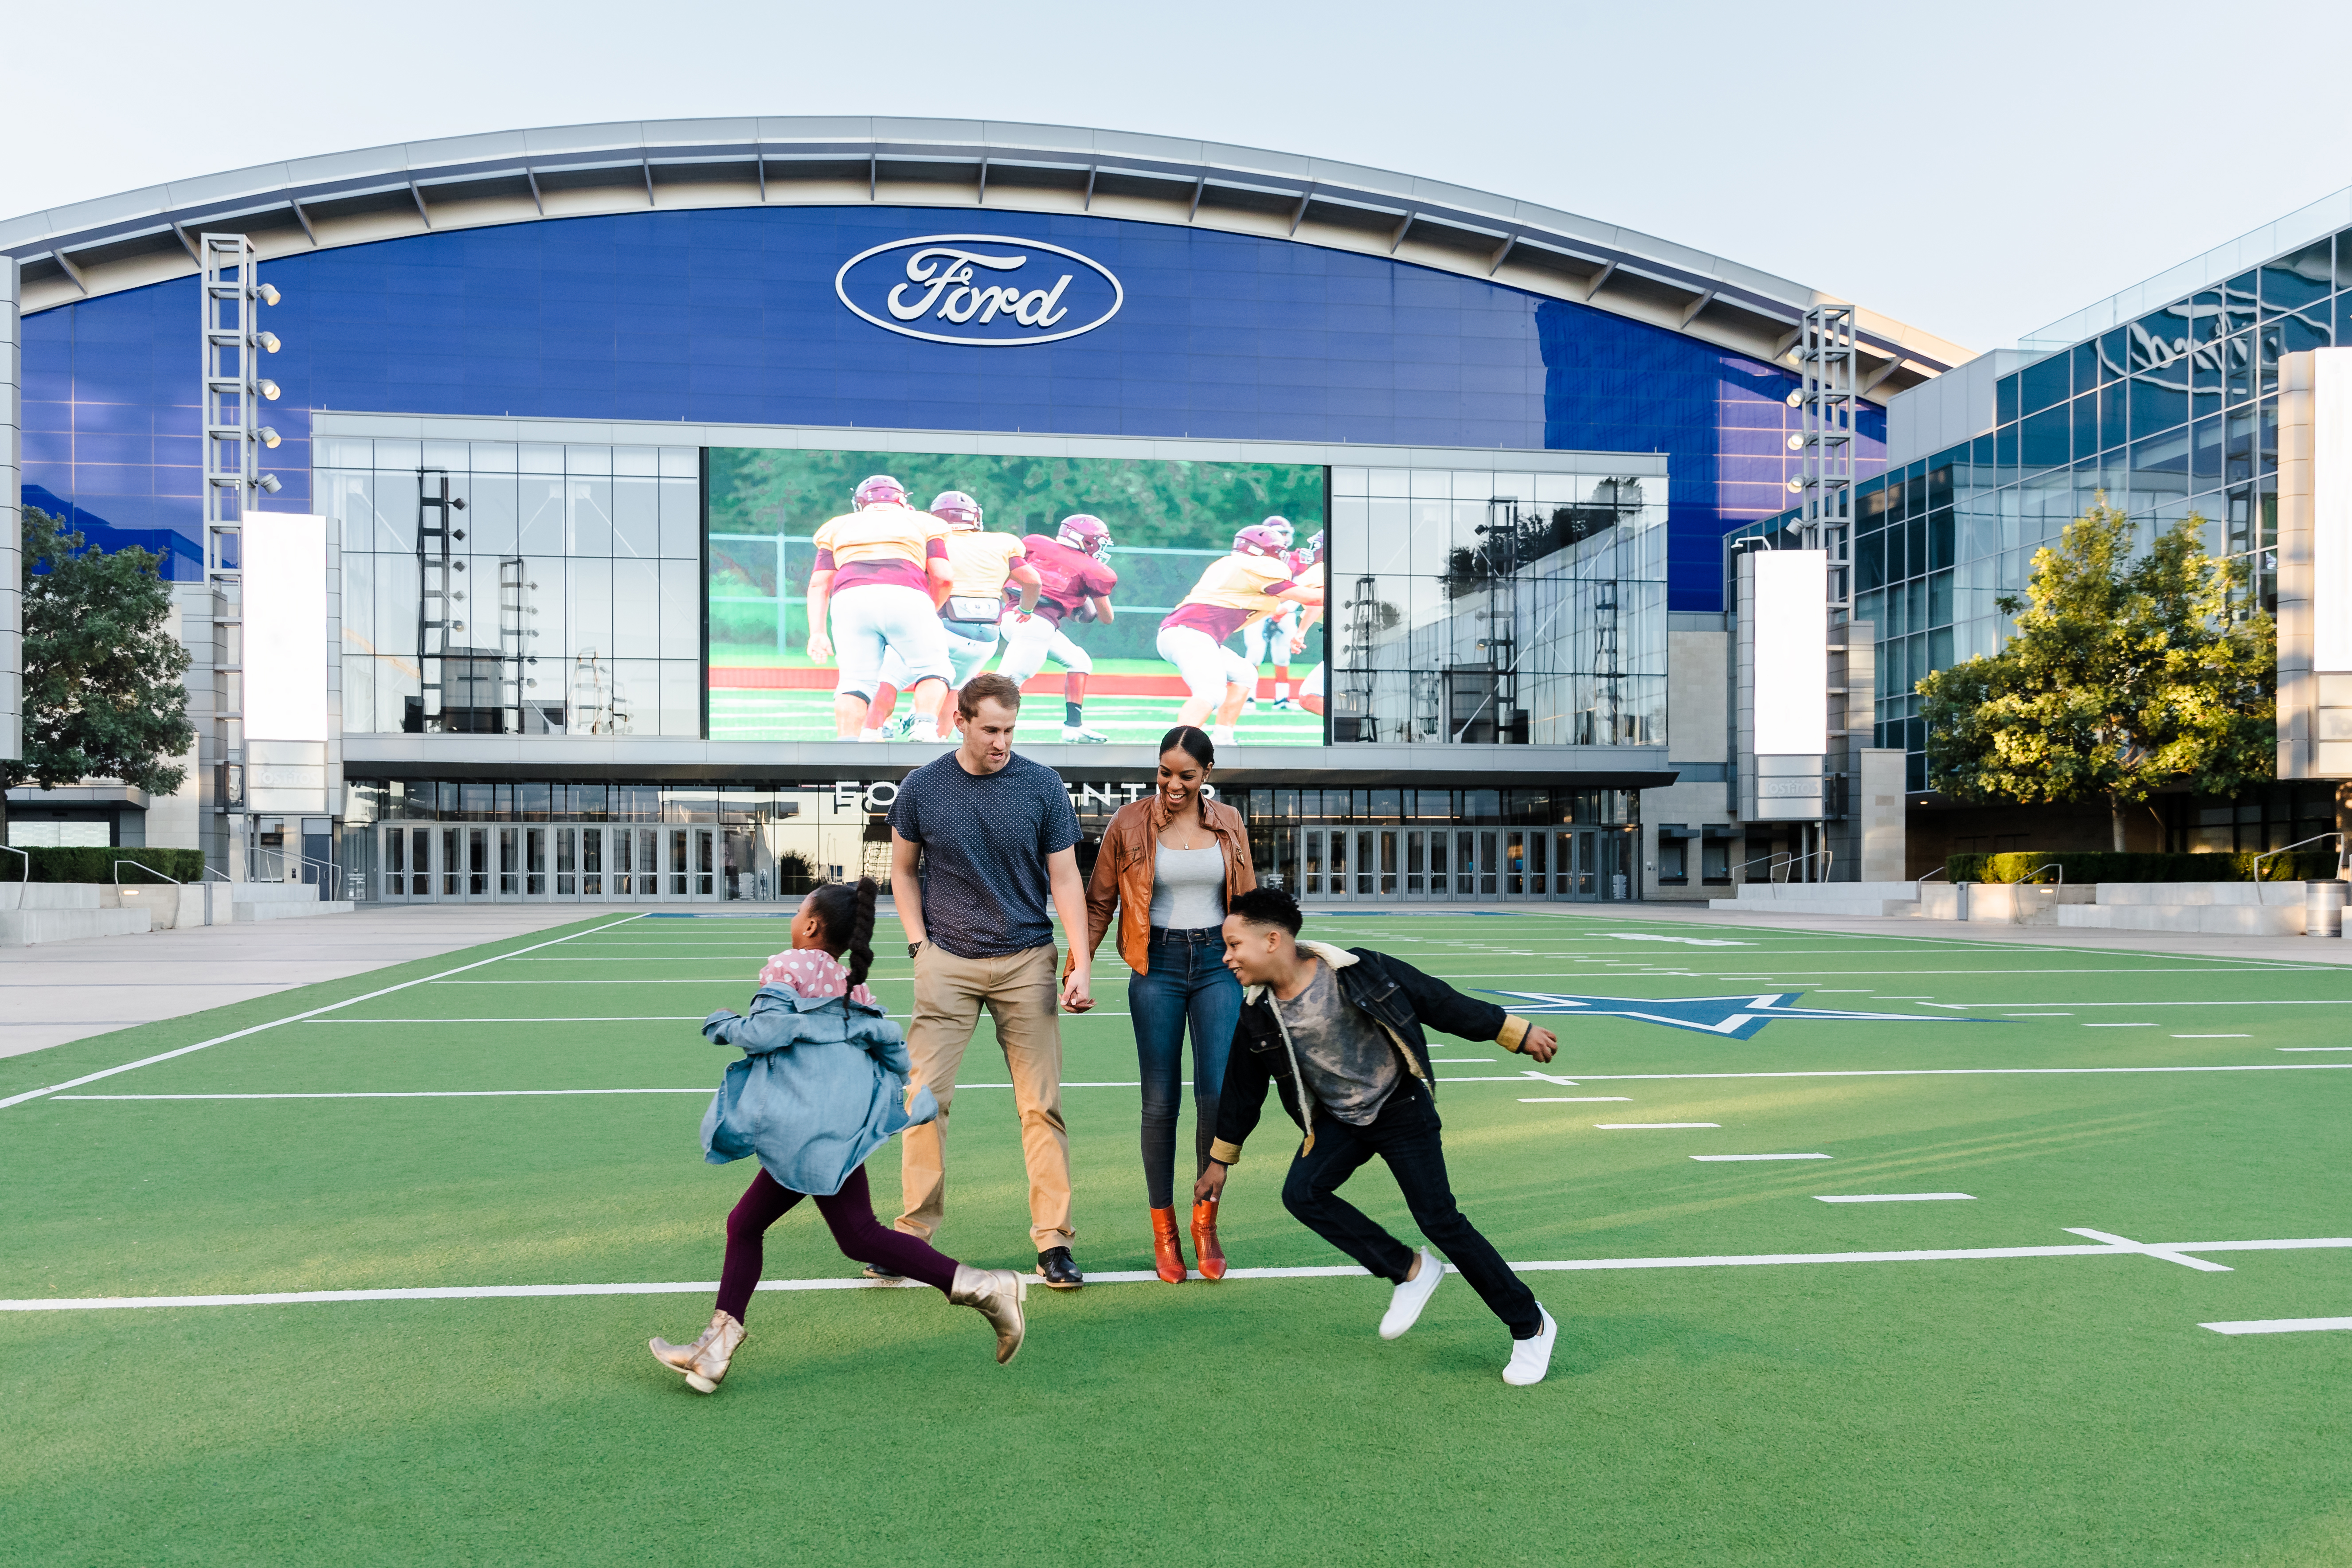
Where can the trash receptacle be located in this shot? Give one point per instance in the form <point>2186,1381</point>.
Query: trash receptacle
<point>2323,908</point>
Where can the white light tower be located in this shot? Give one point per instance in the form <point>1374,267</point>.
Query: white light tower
<point>233,392</point>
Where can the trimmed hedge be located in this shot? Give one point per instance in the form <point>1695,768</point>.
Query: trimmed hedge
<point>2108,866</point>
<point>95,863</point>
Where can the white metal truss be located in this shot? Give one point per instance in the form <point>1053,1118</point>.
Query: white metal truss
<point>1826,405</point>
<point>232,390</point>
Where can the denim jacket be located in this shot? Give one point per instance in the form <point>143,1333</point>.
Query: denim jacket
<point>821,1085</point>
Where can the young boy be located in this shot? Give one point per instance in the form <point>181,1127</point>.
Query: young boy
<point>1339,1033</point>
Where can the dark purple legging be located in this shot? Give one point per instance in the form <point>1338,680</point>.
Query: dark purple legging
<point>849,1213</point>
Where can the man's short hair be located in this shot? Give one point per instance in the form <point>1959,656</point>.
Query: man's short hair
<point>986,687</point>
<point>1268,907</point>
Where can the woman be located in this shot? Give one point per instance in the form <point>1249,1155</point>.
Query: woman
<point>1169,865</point>
<point>822,1085</point>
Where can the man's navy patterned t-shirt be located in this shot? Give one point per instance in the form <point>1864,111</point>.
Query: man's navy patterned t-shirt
<point>985,838</point>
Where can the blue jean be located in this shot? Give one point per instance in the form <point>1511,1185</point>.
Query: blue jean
<point>1187,981</point>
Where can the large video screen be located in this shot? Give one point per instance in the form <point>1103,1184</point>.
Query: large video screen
<point>1157,593</point>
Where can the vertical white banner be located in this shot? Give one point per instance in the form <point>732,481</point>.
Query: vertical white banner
<point>1792,658</point>
<point>285,608</point>
<point>2331,511</point>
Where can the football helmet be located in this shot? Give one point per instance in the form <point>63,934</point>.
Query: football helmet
<point>1280,527</point>
<point>1087,532</point>
<point>1259,539</point>
<point>1302,559</point>
<point>879,490</point>
<point>956,510</point>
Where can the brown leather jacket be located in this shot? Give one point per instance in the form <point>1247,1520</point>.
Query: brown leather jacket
<point>1123,876</point>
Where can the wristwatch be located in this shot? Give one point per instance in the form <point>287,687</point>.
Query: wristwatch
<point>913,948</point>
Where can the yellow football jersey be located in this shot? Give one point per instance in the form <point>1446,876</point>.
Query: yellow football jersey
<point>881,533</point>
<point>983,562</point>
<point>1240,582</point>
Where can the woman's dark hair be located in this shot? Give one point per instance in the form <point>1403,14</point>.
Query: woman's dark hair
<point>1195,744</point>
<point>1268,907</point>
<point>1193,741</point>
<point>846,914</point>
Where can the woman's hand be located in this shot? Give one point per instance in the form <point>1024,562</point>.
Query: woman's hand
<point>1210,1187</point>
<point>820,648</point>
<point>1540,1043</point>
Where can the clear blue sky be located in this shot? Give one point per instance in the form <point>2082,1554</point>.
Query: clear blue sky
<point>1981,168</point>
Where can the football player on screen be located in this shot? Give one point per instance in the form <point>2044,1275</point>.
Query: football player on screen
<point>981,564</point>
<point>1255,582</point>
<point>1273,639</point>
<point>1075,570</point>
<point>881,572</point>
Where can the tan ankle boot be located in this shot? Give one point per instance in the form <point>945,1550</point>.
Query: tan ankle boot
<point>995,1294</point>
<point>705,1360</point>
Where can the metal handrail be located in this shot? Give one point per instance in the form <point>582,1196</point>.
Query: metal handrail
<point>1920,880</point>
<point>2057,866</point>
<point>21,855</point>
<point>211,871</point>
<point>148,870</point>
<point>1797,860</point>
<point>2272,854</point>
<point>1775,855</point>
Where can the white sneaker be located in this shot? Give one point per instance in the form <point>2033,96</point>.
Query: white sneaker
<point>1079,736</point>
<point>1222,735</point>
<point>1530,1359</point>
<point>1405,1305</point>
<point>1249,704</point>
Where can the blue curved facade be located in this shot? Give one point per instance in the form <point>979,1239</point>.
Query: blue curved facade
<point>729,316</point>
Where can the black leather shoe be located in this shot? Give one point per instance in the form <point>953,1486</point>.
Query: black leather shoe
<point>876,1271</point>
<point>1057,1269</point>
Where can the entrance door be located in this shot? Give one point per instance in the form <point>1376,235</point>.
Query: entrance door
<point>407,861</point>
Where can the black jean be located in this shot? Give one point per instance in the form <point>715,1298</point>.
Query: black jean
<point>1406,1135</point>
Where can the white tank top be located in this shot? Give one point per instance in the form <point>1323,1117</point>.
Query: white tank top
<point>1188,888</point>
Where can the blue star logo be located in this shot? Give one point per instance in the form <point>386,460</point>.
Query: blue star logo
<point>1730,1018</point>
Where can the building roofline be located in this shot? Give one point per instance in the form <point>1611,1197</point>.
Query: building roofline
<point>143,237</point>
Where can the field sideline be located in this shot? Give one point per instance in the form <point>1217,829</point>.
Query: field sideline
<point>480,1174</point>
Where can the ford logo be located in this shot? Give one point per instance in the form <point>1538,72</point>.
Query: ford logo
<point>979,289</point>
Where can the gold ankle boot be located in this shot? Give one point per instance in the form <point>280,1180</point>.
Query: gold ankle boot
<point>704,1361</point>
<point>995,1294</point>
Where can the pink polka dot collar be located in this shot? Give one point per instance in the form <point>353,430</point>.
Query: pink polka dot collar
<point>812,974</point>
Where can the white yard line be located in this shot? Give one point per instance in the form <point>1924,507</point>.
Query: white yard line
<point>1759,1156</point>
<point>295,1017</point>
<point>2280,1326</point>
<point>1575,1099</point>
<point>2312,1047</point>
<point>1650,1126</point>
<point>2213,1038</point>
<point>648,1018</point>
<point>1897,1198</point>
<point>2118,1247</point>
<point>2273,1002</point>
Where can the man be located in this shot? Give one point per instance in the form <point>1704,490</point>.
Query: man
<point>1339,1033</point>
<point>982,564</point>
<point>881,570</point>
<point>998,843</point>
<point>1275,637</point>
<point>1075,565</point>
<point>1254,581</point>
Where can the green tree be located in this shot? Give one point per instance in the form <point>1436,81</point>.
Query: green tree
<point>103,695</point>
<point>2124,676</point>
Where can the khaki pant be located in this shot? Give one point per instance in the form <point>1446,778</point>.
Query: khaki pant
<point>1022,996</point>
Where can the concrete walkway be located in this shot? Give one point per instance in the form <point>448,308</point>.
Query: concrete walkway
<point>70,990</point>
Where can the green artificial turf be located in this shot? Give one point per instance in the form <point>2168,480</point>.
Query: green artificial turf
<point>2062,1410</point>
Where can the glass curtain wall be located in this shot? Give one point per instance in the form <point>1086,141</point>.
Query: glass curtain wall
<point>568,600</point>
<point>1473,606</point>
<point>2170,415</point>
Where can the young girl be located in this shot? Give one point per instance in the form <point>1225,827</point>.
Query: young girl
<point>822,1085</point>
